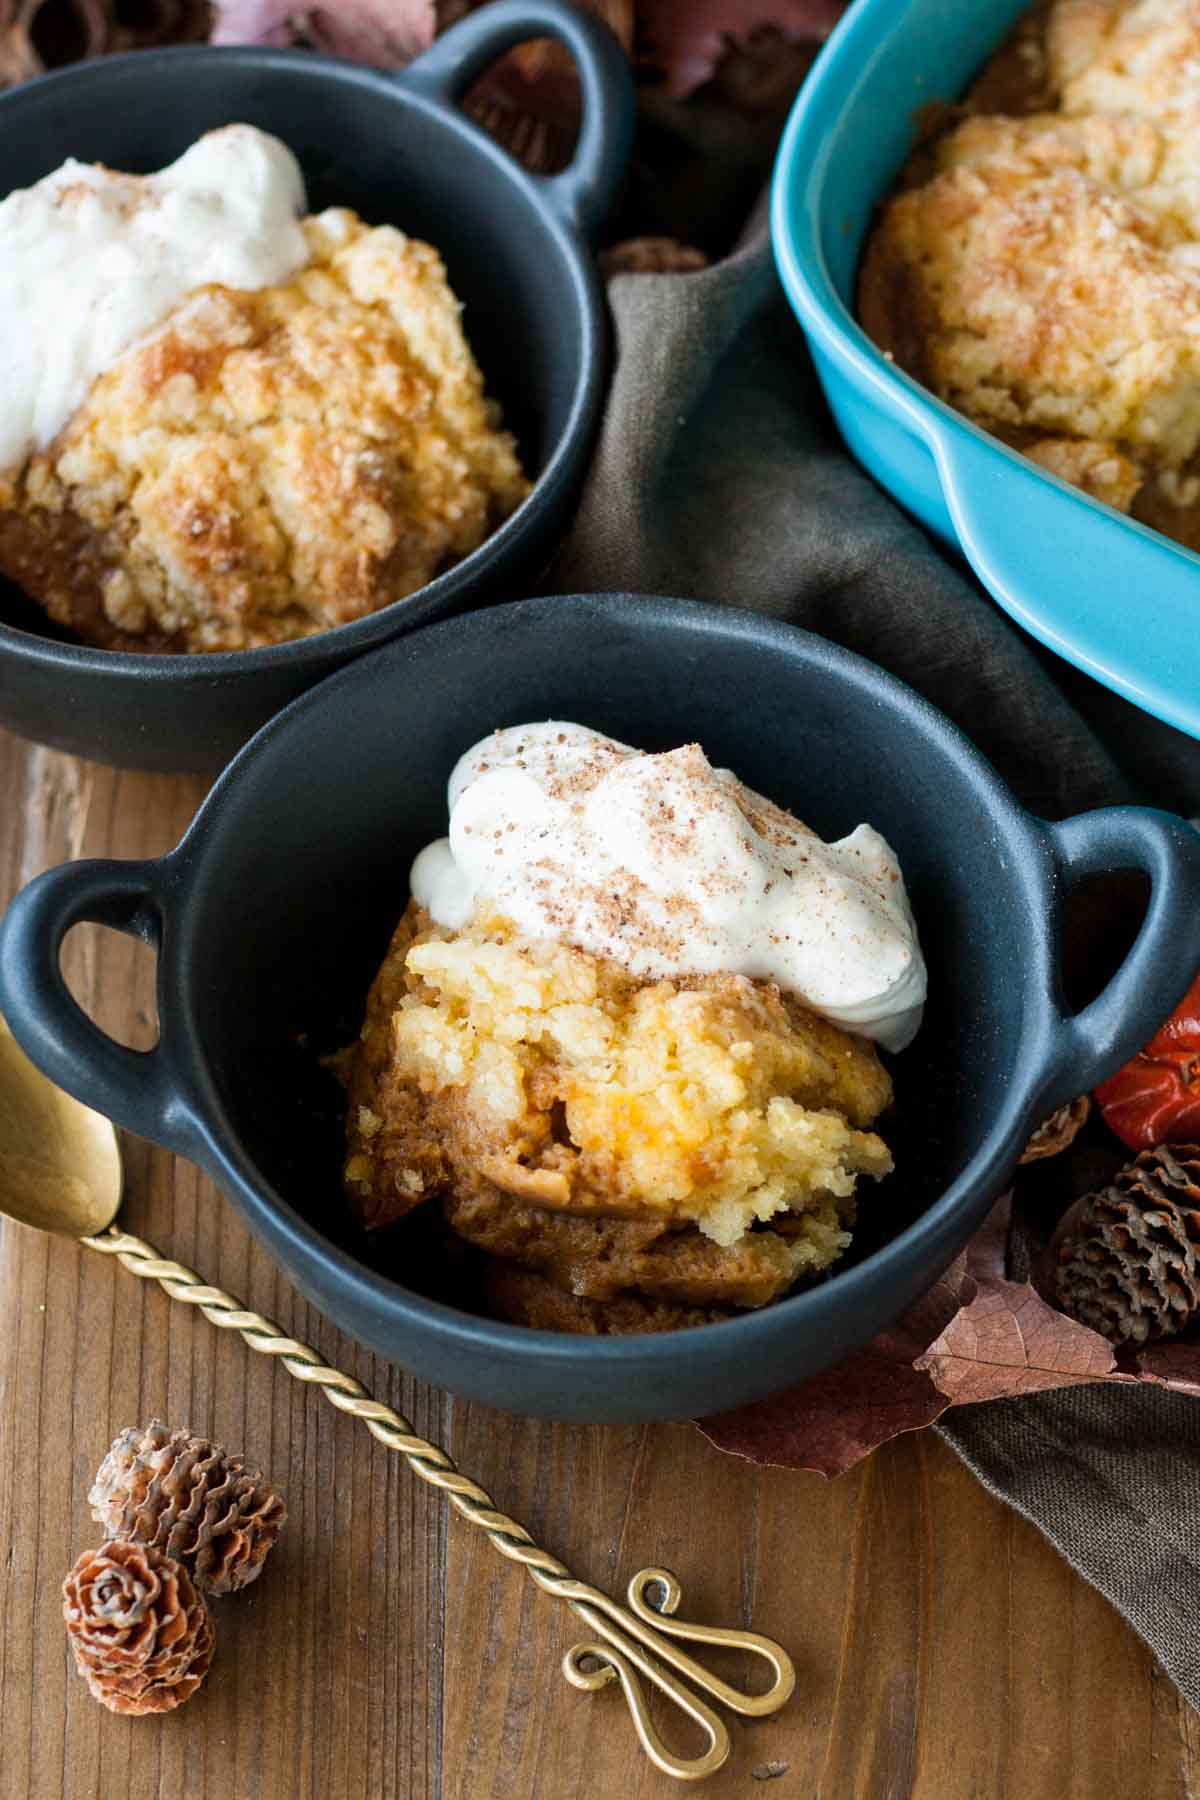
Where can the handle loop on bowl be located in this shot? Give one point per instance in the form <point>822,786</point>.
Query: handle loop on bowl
<point>131,1087</point>
<point>1090,1045</point>
<point>582,193</point>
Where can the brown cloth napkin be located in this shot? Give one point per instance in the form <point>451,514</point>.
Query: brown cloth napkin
<point>720,476</point>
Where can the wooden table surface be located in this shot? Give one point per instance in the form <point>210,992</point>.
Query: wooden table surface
<point>944,1650</point>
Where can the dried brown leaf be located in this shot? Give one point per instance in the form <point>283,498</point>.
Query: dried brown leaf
<point>975,1336</point>
<point>387,33</point>
<point>1171,1365</point>
<point>687,38</point>
<point>1008,1341</point>
<point>831,1422</point>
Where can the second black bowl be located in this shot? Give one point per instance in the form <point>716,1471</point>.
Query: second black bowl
<point>398,150</point>
<point>272,915</point>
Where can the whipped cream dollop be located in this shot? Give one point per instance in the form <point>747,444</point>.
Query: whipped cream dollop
<point>92,260</point>
<point>671,867</point>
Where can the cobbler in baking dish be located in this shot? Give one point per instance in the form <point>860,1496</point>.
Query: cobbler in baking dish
<point>1039,265</point>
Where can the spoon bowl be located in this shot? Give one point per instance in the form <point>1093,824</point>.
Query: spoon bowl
<point>60,1162</point>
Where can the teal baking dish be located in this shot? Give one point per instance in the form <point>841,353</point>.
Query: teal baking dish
<point>1111,596</point>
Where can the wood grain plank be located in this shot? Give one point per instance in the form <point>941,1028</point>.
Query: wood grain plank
<point>944,1650</point>
<point>328,1678</point>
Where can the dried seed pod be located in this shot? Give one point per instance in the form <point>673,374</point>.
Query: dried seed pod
<point>141,1634</point>
<point>1127,1264</point>
<point>1059,1131</point>
<point>187,1497</point>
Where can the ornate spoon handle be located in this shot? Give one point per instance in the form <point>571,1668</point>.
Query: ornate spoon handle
<point>643,1637</point>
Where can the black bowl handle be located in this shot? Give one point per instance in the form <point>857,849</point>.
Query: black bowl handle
<point>133,1087</point>
<point>1086,1047</point>
<point>582,193</point>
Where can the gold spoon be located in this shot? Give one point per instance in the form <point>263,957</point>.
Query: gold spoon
<point>60,1171</point>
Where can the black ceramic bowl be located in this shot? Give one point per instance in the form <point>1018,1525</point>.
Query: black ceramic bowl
<point>273,913</point>
<point>398,150</point>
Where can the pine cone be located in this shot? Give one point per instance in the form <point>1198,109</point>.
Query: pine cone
<point>141,1634</point>
<point>1127,1265</point>
<point>36,35</point>
<point>186,1497</point>
<point>1059,1131</point>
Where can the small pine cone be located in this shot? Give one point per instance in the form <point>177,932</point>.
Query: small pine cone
<point>651,256</point>
<point>141,1634</point>
<point>1128,1265</point>
<point>188,1498</point>
<point>1059,1131</point>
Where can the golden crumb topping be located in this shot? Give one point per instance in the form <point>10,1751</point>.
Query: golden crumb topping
<point>1140,57</point>
<point>272,463</point>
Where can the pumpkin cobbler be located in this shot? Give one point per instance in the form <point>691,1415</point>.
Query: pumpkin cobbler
<point>265,461</point>
<point>629,1152</point>
<point>1039,266</point>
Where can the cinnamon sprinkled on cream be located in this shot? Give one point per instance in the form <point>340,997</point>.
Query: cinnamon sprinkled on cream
<point>672,868</point>
<point>91,260</point>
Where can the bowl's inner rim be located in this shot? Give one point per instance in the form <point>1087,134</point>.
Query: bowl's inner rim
<point>589,382</point>
<point>217,1142</point>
